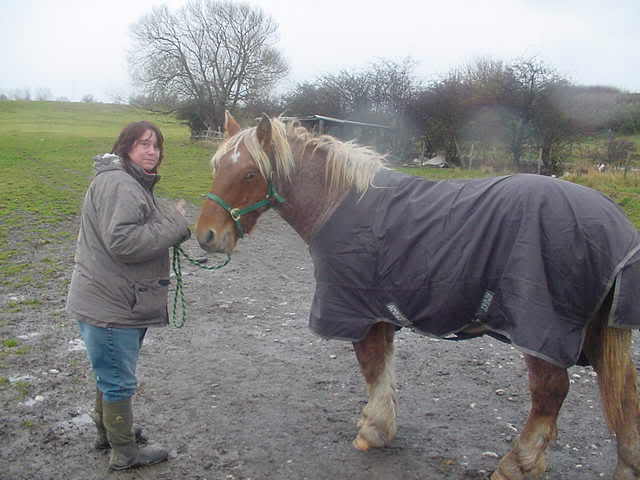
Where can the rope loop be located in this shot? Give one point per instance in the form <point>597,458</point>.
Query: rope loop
<point>179,292</point>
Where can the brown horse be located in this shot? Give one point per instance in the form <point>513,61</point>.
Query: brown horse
<point>311,179</point>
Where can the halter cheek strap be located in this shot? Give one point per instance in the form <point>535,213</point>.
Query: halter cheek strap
<point>236,213</point>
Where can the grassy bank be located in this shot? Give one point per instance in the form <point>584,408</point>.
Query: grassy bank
<point>624,189</point>
<point>45,165</point>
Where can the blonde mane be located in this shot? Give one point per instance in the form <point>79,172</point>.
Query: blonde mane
<point>347,163</point>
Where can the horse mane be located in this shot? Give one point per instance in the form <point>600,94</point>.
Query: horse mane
<point>347,163</point>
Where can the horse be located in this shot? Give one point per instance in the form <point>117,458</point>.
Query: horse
<point>544,264</point>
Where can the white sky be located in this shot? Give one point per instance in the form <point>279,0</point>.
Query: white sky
<point>78,47</point>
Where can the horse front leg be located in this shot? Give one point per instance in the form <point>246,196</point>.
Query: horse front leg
<point>375,355</point>
<point>549,386</point>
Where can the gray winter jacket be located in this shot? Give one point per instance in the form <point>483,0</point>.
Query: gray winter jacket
<point>121,274</point>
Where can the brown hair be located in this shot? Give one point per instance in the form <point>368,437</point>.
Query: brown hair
<point>128,136</point>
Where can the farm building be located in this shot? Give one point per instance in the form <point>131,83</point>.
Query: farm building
<point>370,134</point>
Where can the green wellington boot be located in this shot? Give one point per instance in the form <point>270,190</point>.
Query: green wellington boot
<point>125,453</point>
<point>102,443</point>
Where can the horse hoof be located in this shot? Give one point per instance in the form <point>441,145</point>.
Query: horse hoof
<point>509,469</point>
<point>361,444</point>
<point>625,472</point>
<point>498,475</point>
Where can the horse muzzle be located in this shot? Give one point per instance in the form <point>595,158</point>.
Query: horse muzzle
<point>213,242</point>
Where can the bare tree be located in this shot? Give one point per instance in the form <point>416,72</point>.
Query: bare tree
<point>352,90</point>
<point>380,92</point>
<point>21,94</point>
<point>310,98</point>
<point>214,55</point>
<point>526,85</point>
<point>440,111</point>
<point>553,128</point>
<point>393,85</point>
<point>43,94</point>
<point>487,82</point>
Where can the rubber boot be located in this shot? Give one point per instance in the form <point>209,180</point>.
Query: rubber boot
<point>102,443</point>
<point>125,453</point>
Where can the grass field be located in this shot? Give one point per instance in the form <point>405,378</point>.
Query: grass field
<point>45,167</point>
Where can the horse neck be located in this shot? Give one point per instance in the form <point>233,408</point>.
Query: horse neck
<point>307,201</point>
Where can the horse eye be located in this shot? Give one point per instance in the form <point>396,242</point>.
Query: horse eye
<point>250,176</point>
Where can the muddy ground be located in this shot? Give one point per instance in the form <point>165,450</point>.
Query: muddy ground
<point>246,391</point>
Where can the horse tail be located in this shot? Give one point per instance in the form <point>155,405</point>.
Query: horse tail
<point>615,369</point>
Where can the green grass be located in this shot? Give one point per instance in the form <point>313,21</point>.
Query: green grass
<point>445,173</point>
<point>624,190</point>
<point>10,343</point>
<point>14,306</point>
<point>633,138</point>
<point>22,388</point>
<point>45,165</point>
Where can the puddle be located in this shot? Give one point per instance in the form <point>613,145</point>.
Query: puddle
<point>28,335</point>
<point>76,345</point>
<point>80,420</point>
<point>30,402</point>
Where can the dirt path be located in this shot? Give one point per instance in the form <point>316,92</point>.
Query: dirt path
<point>246,391</point>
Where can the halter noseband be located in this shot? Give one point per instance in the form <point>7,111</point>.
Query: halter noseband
<point>236,213</point>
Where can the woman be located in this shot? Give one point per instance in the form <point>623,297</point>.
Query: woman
<point>120,282</point>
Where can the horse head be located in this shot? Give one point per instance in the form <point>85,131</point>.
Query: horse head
<point>241,189</point>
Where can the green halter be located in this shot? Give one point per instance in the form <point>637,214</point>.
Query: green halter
<point>236,213</point>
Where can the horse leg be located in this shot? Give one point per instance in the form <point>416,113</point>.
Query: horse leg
<point>549,385</point>
<point>375,355</point>
<point>609,351</point>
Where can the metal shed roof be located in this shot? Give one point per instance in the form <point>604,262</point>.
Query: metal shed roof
<point>310,118</point>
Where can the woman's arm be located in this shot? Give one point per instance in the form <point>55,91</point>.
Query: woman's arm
<point>129,230</point>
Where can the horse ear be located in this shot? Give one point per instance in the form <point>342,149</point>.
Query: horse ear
<point>231,127</point>
<point>263,133</point>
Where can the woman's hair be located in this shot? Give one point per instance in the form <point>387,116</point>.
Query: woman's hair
<point>128,136</point>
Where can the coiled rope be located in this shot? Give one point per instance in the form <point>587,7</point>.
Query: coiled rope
<point>179,293</point>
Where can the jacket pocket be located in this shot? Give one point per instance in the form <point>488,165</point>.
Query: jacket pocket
<point>150,298</point>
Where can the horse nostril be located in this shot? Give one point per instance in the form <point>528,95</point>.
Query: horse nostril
<point>209,237</point>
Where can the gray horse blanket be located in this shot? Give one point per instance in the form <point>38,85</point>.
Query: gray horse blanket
<point>530,258</point>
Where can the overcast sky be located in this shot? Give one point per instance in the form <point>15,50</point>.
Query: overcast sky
<point>78,47</point>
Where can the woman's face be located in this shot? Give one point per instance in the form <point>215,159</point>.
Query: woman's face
<point>145,152</point>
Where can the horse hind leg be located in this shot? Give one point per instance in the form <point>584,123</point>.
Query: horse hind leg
<point>377,424</point>
<point>549,385</point>
<point>609,351</point>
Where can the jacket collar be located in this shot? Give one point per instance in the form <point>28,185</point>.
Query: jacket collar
<point>109,161</point>
<point>147,180</point>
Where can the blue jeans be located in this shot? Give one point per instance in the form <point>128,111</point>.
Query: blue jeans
<point>113,353</point>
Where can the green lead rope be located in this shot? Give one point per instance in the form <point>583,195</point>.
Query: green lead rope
<point>179,293</point>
